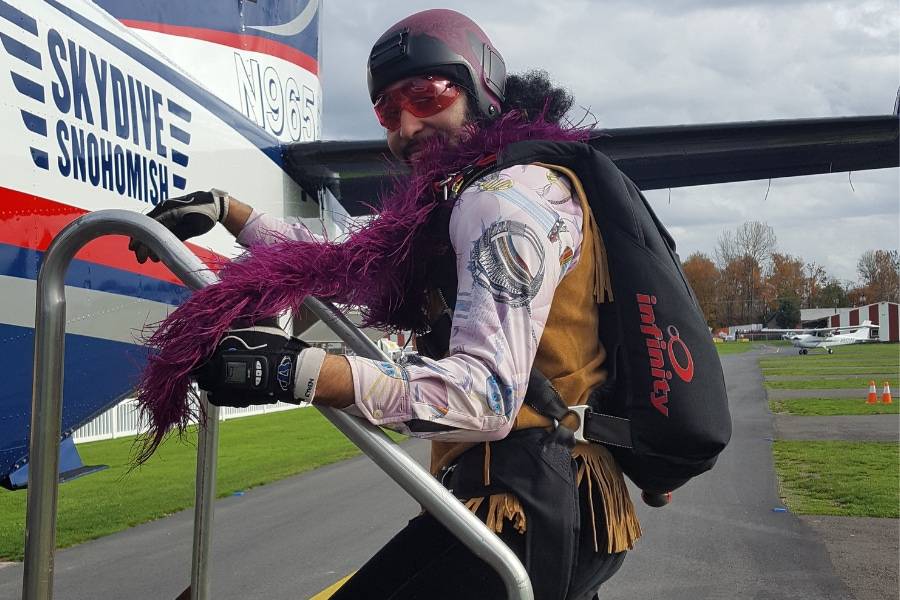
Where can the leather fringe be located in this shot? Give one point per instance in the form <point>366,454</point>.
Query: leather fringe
<point>487,463</point>
<point>500,507</point>
<point>602,284</point>
<point>596,466</point>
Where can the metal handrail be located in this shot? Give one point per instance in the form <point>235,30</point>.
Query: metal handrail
<point>46,394</point>
<point>418,482</point>
<point>46,416</point>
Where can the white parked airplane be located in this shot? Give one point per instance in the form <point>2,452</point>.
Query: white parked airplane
<point>826,337</point>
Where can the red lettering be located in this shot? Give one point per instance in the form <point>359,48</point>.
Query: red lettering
<point>660,374</point>
<point>659,400</point>
<point>656,358</point>
<point>652,330</point>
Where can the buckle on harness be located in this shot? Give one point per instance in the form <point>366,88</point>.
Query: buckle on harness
<point>598,428</point>
<point>581,410</point>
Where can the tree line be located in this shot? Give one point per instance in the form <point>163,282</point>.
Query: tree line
<point>748,281</point>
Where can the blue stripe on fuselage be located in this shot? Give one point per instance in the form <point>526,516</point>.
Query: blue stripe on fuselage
<point>97,374</point>
<point>25,263</point>
<point>232,17</point>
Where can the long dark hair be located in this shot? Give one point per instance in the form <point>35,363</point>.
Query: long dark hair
<point>532,93</point>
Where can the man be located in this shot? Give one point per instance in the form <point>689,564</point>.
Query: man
<point>508,296</point>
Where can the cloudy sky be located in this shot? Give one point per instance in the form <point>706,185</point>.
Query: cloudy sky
<point>667,62</point>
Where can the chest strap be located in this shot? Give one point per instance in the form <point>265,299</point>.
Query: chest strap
<point>585,424</point>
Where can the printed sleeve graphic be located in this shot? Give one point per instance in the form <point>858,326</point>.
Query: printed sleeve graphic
<point>508,260</point>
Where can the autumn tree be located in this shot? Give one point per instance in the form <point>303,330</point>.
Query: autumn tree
<point>703,276</point>
<point>740,293</point>
<point>879,274</point>
<point>786,281</point>
<point>815,278</point>
<point>744,258</point>
<point>832,295</point>
<point>787,313</point>
<point>857,296</point>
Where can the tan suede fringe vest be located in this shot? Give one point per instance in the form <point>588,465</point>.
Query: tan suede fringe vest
<point>571,356</point>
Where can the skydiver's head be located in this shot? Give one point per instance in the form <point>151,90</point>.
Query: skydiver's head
<point>431,74</point>
<point>436,71</point>
<point>416,108</point>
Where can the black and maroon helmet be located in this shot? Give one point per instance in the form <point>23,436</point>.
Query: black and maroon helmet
<point>444,43</point>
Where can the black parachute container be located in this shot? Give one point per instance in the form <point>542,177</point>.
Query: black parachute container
<point>665,379</point>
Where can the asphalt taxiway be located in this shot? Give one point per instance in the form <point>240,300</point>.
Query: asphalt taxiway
<point>724,536</point>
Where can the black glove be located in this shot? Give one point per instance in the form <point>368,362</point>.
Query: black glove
<point>186,216</point>
<point>260,365</point>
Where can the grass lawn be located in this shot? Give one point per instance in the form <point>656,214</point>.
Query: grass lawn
<point>857,355</point>
<point>858,364</point>
<point>735,347</point>
<point>854,479</point>
<point>851,383</point>
<point>832,406</point>
<point>788,366</point>
<point>252,451</point>
<point>878,373</point>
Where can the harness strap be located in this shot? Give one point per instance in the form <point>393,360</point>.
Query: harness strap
<point>587,425</point>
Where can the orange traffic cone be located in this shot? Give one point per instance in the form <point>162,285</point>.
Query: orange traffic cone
<point>873,395</point>
<point>886,394</point>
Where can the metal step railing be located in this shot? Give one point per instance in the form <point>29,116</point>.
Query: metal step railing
<point>46,417</point>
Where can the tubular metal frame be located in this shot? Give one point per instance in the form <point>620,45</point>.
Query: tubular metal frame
<point>46,417</point>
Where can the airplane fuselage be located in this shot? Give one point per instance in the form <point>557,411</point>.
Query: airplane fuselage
<point>807,341</point>
<point>120,104</point>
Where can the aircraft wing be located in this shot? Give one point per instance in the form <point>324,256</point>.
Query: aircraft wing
<point>798,331</point>
<point>654,157</point>
<point>821,329</point>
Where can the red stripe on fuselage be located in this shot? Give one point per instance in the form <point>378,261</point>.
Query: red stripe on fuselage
<point>241,41</point>
<point>29,221</point>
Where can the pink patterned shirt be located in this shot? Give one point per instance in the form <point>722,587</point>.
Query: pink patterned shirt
<point>516,234</point>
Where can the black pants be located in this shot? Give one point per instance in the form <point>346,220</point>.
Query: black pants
<point>426,561</point>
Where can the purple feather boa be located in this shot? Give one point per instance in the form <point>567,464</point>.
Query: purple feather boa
<point>376,268</point>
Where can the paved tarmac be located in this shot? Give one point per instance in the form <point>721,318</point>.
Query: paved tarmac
<point>862,428</point>
<point>719,539</point>
<point>288,539</point>
<point>864,550</point>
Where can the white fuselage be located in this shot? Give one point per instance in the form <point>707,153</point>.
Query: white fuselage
<point>810,341</point>
<point>119,104</point>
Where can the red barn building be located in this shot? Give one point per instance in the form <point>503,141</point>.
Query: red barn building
<point>884,314</point>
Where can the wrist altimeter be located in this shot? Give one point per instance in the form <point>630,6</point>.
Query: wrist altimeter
<point>261,365</point>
